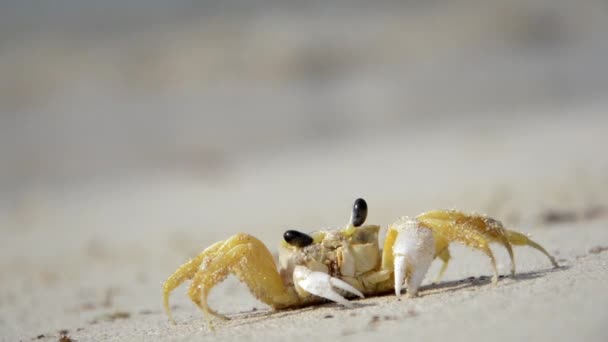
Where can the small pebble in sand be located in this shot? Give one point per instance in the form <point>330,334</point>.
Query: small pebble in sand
<point>65,338</point>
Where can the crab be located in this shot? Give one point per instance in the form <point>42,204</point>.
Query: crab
<point>344,263</point>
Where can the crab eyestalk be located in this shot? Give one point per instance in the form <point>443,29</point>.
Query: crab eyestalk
<point>297,239</point>
<point>359,213</point>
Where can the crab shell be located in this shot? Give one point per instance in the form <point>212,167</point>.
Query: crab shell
<point>351,254</point>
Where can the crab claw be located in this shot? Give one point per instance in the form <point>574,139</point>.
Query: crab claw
<point>413,251</point>
<point>323,285</point>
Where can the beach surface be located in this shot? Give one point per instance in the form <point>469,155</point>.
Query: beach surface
<point>91,259</point>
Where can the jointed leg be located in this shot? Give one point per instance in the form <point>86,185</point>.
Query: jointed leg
<point>442,252</point>
<point>519,239</point>
<point>387,249</point>
<point>248,259</point>
<point>499,237</point>
<point>474,231</point>
<point>486,249</point>
<point>445,257</point>
<point>198,291</point>
<point>183,273</point>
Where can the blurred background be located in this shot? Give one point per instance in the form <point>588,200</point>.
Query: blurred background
<point>91,90</point>
<point>140,131</point>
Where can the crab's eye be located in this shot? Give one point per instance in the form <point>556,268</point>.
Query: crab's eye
<point>297,239</point>
<point>359,213</point>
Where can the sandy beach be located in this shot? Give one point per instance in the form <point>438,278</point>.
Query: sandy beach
<point>135,134</point>
<point>77,259</point>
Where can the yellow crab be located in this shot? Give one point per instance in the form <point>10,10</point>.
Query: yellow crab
<point>331,264</point>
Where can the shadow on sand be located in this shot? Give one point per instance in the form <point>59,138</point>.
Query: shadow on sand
<point>251,317</point>
<point>457,285</point>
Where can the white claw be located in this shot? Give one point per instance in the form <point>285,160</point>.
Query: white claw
<point>341,284</point>
<point>413,251</point>
<point>400,265</point>
<point>322,285</point>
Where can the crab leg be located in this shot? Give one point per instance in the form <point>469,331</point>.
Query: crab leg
<point>244,256</point>
<point>445,256</point>
<point>474,231</point>
<point>518,239</point>
<point>185,272</point>
<point>322,285</point>
<point>413,251</point>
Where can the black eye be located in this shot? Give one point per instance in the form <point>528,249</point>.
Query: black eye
<point>359,214</point>
<point>297,239</point>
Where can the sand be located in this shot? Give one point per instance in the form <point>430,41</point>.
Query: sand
<point>91,258</point>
